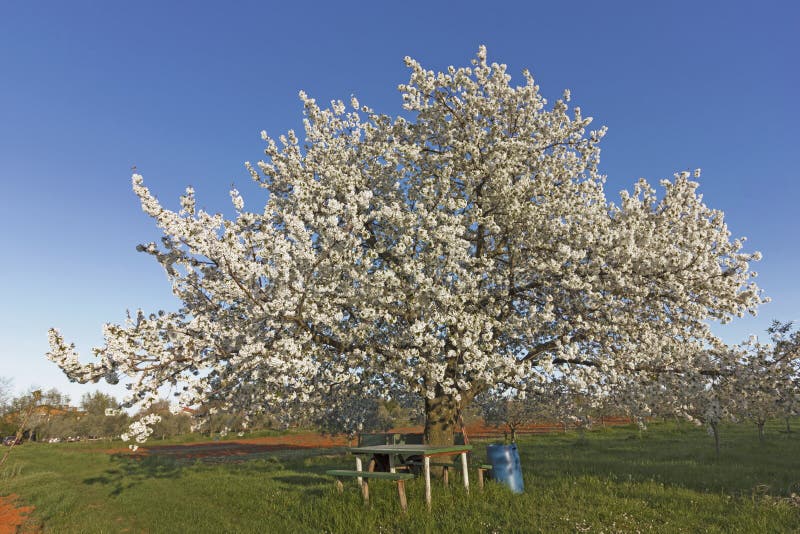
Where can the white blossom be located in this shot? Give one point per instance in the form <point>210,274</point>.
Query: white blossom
<point>466,245</point>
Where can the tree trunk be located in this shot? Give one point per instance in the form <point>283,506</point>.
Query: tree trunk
<point>441,415</point>
<point>760,424</point>
<point>788,429</point>
<point>715,430</point>
<point>513,434</point>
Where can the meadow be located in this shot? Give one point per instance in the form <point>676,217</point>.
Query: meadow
<point>665,479</point>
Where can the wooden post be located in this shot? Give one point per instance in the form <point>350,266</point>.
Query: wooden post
<point>480,477</point>
<point>401,491</point>
<point>464,468</point>
<point>426,466</point>
<point>358,468</point>
<point>339,485</point>
<point>365,491</point>
<point>445,472</point>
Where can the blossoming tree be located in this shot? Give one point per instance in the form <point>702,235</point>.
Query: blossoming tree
<point>785,337</point>
<point>766,376</point>
<point>707,395</point>
<point>511,413</point>
<point>463,245</point>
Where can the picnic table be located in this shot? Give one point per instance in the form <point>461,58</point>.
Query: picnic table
<point>399,454</point>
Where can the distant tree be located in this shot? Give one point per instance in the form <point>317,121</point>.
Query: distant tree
<point>5,393</point>
<point>573,403</point>
<point>765,377</point>
<point>6,427</point>
<point>637,397</point>
<point>709,398</point>
<point>55,398</point>
<point>757,382</point>
<point>61,425</point>
<point>786,353</point>
<point>102,417</point>
<point>508,411</point>
<point>36,409</point>
<point>170,424</point>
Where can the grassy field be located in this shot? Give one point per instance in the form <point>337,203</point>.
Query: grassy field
<point>665,479</point>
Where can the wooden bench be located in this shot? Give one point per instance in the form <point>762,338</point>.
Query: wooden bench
<point>483,468</point>
<point>364,476</point>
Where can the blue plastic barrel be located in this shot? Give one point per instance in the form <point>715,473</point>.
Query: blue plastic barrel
<point>506,467</point>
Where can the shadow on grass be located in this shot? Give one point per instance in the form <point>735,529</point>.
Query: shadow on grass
<point>131,471</point>
<point>312,483</point>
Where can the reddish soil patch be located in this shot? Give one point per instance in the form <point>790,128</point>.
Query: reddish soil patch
<point>482,430</point>
<point>13,517</point>
<point>244,448</point>
<point>239,447</point>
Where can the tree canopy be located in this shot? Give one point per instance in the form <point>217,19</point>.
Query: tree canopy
<point>463,245</point>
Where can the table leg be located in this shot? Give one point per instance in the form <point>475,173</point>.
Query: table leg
<point>426,466</point>
<point>401,490</point>
<point>365,491</point>
<point>358,468</point>
<point>464,468</point>
<point>392,462</point>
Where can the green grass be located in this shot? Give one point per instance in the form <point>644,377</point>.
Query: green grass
<point>666,479</point>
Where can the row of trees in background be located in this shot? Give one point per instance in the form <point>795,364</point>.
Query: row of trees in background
<point>49,416</point>
<point>44,415</point>
<point>752,382</point>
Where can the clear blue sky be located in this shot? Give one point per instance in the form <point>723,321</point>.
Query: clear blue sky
<point>182,90</point>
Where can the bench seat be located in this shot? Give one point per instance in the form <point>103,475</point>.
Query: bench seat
<point>432,464</point>
<point>483,468</point>
<point>364,477</point>
<point>369,474</point>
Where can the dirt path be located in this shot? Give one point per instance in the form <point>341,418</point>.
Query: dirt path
<point>243,447</point>
<point>13,518</point>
